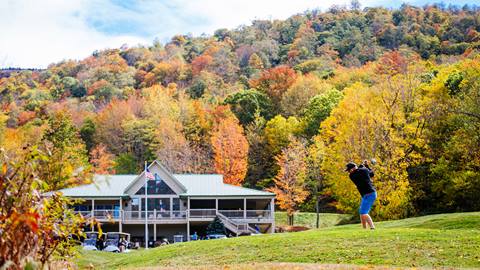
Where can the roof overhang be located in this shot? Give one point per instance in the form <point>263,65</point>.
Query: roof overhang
<point>227,196</point>
<point>99,197</point>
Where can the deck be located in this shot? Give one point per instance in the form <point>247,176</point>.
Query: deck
<point>177,217</point>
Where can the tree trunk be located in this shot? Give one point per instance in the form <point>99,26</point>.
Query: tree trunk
<point>317,207</point>
<point>290,219</point>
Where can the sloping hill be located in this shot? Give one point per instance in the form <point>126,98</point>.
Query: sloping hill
<point>310,219</point>
<point>447,240</point>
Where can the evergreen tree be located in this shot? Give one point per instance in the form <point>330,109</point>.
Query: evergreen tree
<point>216,227</point>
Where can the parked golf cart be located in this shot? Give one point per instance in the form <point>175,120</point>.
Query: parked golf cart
<point>116,242</point>
<point>216,236</point>
<point>91,240</point>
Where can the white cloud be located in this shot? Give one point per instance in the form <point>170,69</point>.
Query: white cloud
<point>36,33</point>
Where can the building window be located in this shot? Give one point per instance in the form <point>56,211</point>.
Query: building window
<point>176,204</point>
<point>157,187</point>
<point>159,204</point>
<point>135,204</point>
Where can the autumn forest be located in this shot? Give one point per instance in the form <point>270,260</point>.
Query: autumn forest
<point>278,105</point>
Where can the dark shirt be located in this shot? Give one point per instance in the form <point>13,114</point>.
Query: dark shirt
<point>361,178</point>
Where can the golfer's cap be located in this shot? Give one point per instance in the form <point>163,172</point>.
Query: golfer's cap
<point>350,166</point>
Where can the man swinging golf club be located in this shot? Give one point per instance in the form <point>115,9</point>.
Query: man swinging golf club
<point>361,177</point>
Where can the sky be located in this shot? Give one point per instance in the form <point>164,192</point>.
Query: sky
<point>35,33</point>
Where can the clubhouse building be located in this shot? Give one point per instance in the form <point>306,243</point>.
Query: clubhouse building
<point>177,204</point>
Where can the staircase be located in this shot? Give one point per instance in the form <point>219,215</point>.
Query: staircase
<point>238,228</point>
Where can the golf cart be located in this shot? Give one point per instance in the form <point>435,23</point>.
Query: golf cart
<point>216,236</point>
<point>116,242</point>
<point>90,241</point>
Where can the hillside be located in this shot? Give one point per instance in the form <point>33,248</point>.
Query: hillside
<point>310,219</point>
<point>447,240</point>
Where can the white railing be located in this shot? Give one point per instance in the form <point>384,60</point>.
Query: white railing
<point>234,214</point>
<point>259,214</point>
<point>166,215</point>
<point>249,214</point>
<point>102,214</point>
<point>203,213</point>
<point>85,214</point>
<point>107,214</point>
<point>234,226</point>
<point>133,215</point>
<point>154,215</point>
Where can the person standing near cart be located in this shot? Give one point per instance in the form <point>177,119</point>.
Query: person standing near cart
<point>362,178</point>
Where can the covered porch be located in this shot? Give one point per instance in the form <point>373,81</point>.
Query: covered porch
<point>248,209</point>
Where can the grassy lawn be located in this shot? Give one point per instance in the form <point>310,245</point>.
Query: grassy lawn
<point>310,219</point>
<point>447,240</point>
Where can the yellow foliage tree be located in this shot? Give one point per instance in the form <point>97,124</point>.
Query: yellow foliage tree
<point>387,126</point>
<point>297,96</point>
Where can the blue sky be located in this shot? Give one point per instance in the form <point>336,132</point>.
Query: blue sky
<point>36,33</point>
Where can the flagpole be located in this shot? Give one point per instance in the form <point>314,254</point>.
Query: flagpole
<point>146,206</point>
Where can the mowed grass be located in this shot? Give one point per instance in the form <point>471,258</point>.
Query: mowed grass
<point>446,240</point>
<point>310,219</point>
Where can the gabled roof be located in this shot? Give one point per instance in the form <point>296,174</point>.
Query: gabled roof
<point>102,186</point>
<point>191,185</point>
<point>157,164</point>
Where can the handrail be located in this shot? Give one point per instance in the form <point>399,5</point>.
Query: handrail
<point>253,230</point>
<point>234,226</point>
<point>154,215</point>
<point>262,214</point>
<point>202,213</point>
<point>102,214</point>
<point>232,216</point>
<point>248,214</point>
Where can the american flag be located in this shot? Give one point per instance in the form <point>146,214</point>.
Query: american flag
<point>149,175</point>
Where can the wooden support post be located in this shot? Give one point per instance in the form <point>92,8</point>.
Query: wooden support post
<point>120,216</point>
<point>188,219</point>
<point>216,206</point>
<point>272,215</point>
<point>188,231</point>
<point>154,233</point>
<point>244,208</point>
<point>93,214</point>
<point>171,207</point>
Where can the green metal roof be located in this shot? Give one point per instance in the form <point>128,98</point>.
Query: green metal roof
<point>199,185</point>
<point>102,186</point>
<point>212,185</point>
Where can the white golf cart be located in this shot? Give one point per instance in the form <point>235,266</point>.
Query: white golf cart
<point>116,242</point>
<point>90,241</point>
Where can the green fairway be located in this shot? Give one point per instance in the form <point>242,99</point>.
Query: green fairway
<point>447,240</point>
<point>310,219</point>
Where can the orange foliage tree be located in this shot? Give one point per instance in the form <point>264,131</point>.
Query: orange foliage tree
<point>102,160</point>
<point>290,186</point>
<point>200,63</point>
<point>275,82</point>
<point>392,63</point>
<point>230,149</point>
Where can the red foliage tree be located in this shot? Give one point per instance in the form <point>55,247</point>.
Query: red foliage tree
<point>200,63</point>
<point>392,63</point>
<point>275,82</point>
